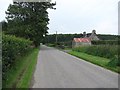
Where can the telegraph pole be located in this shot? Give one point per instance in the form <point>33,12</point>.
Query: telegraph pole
<point>56,37</point>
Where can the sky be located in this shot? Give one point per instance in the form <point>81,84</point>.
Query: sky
<point>77,16</point>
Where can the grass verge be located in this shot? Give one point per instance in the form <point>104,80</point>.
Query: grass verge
<point>103,62</point>
<point>20,75</point>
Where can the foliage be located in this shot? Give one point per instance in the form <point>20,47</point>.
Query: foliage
<point>62,39</point>
<point>95,59</point>
<point>27,77</point>
<point>19,76</point>
<point>13,48</point>
<point>107,37</point>
<point>66,39</point>
<point>28,20</point>
<point>115,61</point>
<point>104,62</point>
<point>107,51</point>
<point>107,42</point>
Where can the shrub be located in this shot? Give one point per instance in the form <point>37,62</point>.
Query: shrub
<point>12,48</point>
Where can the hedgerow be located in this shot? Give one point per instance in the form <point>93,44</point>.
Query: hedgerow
<point>12,48</point>
<point>106,51</point>
<point>106,42</point>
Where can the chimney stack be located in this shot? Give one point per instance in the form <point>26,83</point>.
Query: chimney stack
<point>93,31</point>
<point>84,34</point>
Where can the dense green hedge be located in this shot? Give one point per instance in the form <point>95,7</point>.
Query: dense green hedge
<point>12,48</point>
<point>106,42</point>
<point>106,51</point>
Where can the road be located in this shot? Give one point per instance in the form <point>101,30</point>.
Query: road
<point>57,69</point>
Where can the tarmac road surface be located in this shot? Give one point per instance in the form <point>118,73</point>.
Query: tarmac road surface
<point>57,69</point>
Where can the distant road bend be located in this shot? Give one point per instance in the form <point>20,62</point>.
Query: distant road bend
<point>57,69</point>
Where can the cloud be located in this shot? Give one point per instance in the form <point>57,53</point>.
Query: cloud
<point>108,27</point>
<point>76,16</point>
<point>84,15</point>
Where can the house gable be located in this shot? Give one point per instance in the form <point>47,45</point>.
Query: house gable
<point>85,40</point>
<point>91,36</point>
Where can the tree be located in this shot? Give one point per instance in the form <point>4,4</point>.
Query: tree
<point>29,20</point>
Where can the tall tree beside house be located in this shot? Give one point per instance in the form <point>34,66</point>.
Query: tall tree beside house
<point>29,20</point>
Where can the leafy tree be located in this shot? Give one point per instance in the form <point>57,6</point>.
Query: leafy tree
<point>29,20</point>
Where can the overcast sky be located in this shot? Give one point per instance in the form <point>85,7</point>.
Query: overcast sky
<point>77,16</point>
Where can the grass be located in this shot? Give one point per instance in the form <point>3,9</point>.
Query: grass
<point>106,51</point>
<point>20,74</point>
<point>103,62</point>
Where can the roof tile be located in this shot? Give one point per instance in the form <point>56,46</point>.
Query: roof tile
<point>82,40</point>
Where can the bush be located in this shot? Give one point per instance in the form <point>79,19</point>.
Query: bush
<point>12,48</point>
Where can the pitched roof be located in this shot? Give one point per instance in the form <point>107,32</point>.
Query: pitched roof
<point>82,40</point>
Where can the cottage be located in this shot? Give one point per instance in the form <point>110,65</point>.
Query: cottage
<point>85,40</point>
<point>92,36</point>
<point>80,41</point>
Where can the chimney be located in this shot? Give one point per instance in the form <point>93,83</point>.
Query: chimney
<point>93,31</point>
<point>84,34</point>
